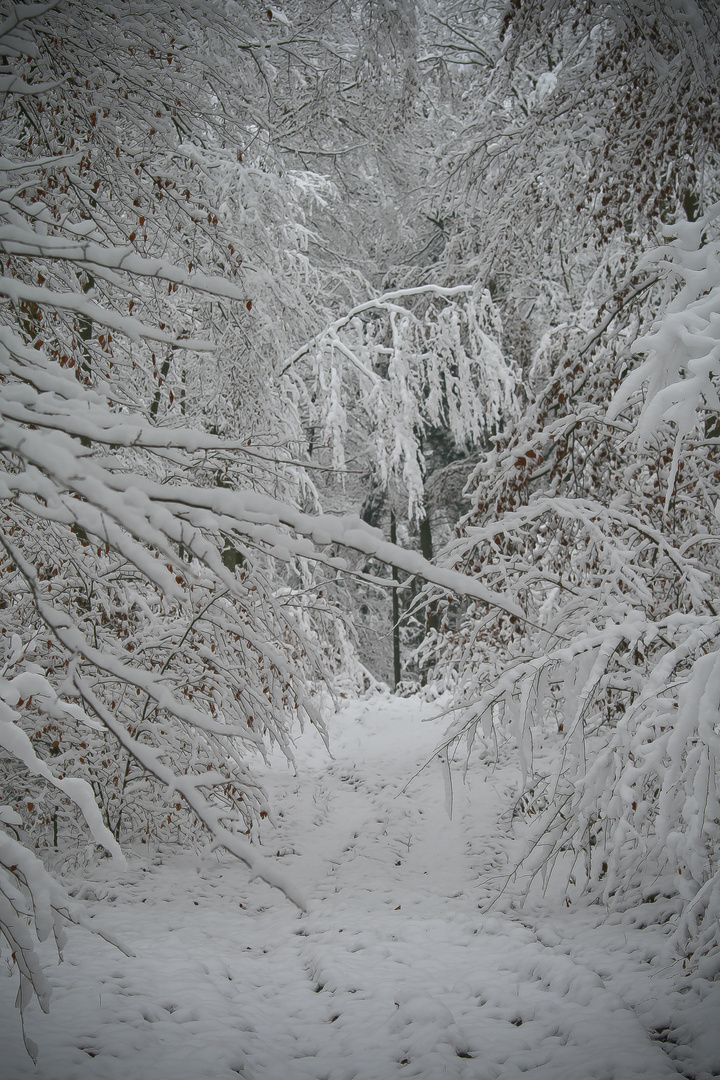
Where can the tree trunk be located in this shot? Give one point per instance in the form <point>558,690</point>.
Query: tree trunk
<point>395,608</point>
<point>426,546</point>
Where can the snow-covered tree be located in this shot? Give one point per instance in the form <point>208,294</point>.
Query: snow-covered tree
<point>155,637</point>
<point>138,661</point>
<point>601,522</point>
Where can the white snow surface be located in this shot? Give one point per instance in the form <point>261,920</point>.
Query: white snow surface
<point>397,969</point>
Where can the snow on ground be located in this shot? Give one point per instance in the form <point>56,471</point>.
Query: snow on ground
<point>397,969</point>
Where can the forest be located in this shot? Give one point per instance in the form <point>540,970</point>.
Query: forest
<point>351,352</point>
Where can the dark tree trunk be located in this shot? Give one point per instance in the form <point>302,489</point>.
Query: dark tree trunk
<point>426,546</point>
<point>395,608</point>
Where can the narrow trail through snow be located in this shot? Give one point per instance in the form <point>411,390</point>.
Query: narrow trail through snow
<point>394,971</point>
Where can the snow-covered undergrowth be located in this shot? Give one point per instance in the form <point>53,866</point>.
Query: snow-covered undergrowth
<point>398,968</point>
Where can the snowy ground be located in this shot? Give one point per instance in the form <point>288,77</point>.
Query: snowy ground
<point>395,970</point>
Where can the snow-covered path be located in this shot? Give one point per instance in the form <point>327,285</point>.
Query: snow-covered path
<point>394,971</point>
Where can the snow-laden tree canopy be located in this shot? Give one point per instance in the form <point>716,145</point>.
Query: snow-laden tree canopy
<point>161,619</point>
<point>255,263</point>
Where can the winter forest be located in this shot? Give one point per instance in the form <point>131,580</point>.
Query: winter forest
<point>360,539</point>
